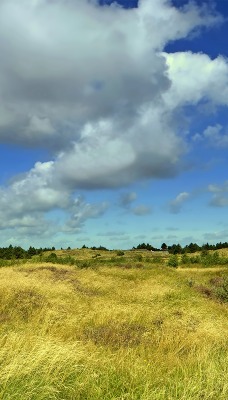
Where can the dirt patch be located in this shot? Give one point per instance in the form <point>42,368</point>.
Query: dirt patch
<point>62,274</point>
<point>25,302</point>
<point>115,335</point>
<point>204,290</point>
<point>4,317</point>
<point>218,281</point>
<point>57,273</point>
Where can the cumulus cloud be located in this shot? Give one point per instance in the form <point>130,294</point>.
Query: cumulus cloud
<point>27,202</point>
<point>35,191</point>
<point>207,79</point>
<point>176,204</point>
<point>92,85</point>
<point>214,135</point>
<point>78,62</point>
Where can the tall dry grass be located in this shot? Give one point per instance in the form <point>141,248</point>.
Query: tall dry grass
<point>111,333</point>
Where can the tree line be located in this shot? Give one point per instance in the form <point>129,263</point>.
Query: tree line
<point>17,252</point>
<point>178,249</point>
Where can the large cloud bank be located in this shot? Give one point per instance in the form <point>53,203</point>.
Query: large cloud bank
<point>94,86</point>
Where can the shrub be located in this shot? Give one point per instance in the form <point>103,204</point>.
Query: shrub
<point>222,291</point>
<point>155,260</point>
<point>173,261</point>
<point>195,259</point>
<point>52,258</point>
<point>211,259</point>
<point>83,264</point>
<point>66,260</point>
<point>120,253</point>
<point>185,259</point>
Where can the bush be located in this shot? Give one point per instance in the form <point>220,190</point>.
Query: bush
<point>185,259</point>
<point>66,260</point>
<point>52,258</point>
<point>155,259</point>
<point>120,253</point>
<point>211,259</point>
<point>173,261</point>
<point>195,259</point>
<point>83,264</point>
<point>222,291</point>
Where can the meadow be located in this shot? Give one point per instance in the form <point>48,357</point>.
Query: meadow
<point>98,325</point>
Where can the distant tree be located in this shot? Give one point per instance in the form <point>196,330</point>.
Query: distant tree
<point>9,252</point>
<point>144,246</point>
<point>102,248</point>
<point>206,246</point>
<point>141,246</point>
<point>99,248</point>
<point>164,246</point>
<point>18,252</point>
<point>193,247</point>
<point>175,249</point>
<point>31,251</point>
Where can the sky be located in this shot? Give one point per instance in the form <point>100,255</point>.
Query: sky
<point>113,122</point>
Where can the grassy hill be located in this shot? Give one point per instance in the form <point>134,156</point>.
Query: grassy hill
<point>113,327</point>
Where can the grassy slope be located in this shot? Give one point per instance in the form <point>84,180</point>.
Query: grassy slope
<point>111,333</point>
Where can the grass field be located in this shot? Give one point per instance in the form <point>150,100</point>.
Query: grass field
<point>114,327</point>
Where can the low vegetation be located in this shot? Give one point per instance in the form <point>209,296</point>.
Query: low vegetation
<point>104,325</point>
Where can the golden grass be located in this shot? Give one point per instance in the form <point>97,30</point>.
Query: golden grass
<point>110,333</point>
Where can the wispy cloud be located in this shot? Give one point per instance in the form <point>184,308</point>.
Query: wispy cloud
<point>176,205</point>
<point>141,210</point>
<point>220,194</point>
<point>126,199</point>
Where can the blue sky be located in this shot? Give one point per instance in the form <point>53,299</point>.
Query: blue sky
<point>113,122</point>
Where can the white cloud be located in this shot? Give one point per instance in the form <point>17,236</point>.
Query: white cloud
<point>213,136</point>
<point>218,188</point>
<point>196,77</point>
<point>68,63</point>
<point>176,204</point>
<point>80,211</point>
<point>91,83</point>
